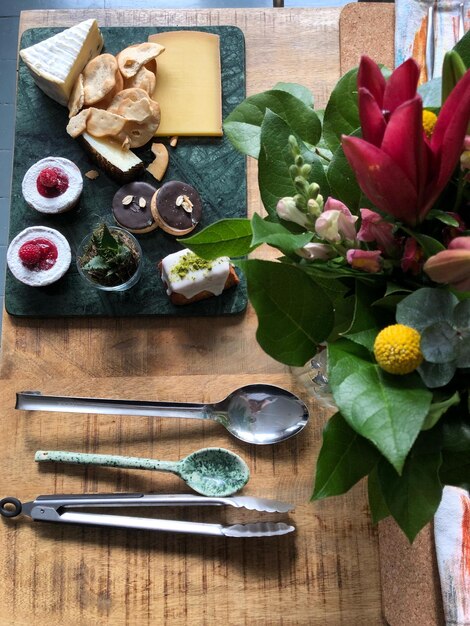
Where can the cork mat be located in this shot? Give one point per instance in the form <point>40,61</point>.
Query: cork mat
<point>410,583</point>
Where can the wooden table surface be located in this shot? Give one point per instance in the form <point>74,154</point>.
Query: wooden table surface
<point>326,573</point>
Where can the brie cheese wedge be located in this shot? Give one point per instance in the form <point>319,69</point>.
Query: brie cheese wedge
<point>56,63</point>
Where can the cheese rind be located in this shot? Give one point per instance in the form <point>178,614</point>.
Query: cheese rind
<point>188,85</point>
<point>122,164</point>
<point>56,63</point>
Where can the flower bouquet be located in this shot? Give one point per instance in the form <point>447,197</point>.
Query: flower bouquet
<point>368,207</point>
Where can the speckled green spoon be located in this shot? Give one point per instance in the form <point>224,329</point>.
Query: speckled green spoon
<point>210,471</point>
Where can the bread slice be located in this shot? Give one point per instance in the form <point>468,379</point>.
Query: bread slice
<point>123,165</point>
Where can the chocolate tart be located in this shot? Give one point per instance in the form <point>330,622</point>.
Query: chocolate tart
<point>131,207</point>
<point>177,208</point>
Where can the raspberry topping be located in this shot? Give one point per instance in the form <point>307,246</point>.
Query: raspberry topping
<point>38,254</point>
<point>52,182</point>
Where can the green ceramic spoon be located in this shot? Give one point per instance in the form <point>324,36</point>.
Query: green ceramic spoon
<point>210,471</point>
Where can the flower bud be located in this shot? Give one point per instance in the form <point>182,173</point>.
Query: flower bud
<point>365,260</point>
<point>315,207</point>
<point>336,223</point>
<point>287,210</point>
<point>451,266</point>
<point>316,251</point>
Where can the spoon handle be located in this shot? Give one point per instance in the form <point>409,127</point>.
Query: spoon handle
<point>35,401</point>
<point>110,460</point>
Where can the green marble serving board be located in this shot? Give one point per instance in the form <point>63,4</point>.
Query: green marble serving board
<point>210,165</point>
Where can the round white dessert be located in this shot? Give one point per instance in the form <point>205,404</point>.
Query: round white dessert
<point>39,278</point>
<point>61,203</point>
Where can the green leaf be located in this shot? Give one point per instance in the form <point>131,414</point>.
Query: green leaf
<point>443,217</point>
<point>341,113</point>
<point>456,433</point>
<point>367,321</point>
<point>440,343</point>
<point>413,497</point>
<point>107,242</point>
<point>229,237</point>
<point>292,320</point>
<point>377,504</point>
<point>438,408</point>
<point>455,469</point>
<point>277,235</point>
<point>299,91</point>
<point>96,263</point>
<point>430,245</point>
<point>387,410</point>
<point>426,306</point>
<point>274,179</point>
<point>243,125</point>
<point>343,181</point>
<point>345,457</point>
<point>463,48</point>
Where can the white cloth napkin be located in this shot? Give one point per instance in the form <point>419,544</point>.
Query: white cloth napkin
<point>411,27</point>
<point>452,538</point>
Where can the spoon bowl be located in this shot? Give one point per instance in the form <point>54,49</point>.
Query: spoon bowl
<point>214,472</point>
<point>258,413</point>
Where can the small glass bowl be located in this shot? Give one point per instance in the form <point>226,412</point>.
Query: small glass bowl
<point>123,286</point>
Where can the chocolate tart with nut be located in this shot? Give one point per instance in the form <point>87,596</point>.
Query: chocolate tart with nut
<point>131,207</point>
<point>177,208</point>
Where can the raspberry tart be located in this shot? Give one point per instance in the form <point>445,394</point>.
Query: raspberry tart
<point>39,256</point>
<point>52,185</point>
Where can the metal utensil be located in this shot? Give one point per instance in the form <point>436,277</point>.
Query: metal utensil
<point>57,508</point>
<point>257,413</point>
<point>210,471</point>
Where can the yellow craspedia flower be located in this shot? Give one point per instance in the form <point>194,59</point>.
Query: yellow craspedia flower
<point>429,121</point>
<point>397,349</point>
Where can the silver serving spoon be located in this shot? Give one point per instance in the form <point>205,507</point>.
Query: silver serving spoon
<point>257,413</point>
<point>210,471</point>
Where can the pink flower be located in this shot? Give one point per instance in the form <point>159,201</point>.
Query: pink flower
<point>397,167</point>
<point>336,223</point>
<point>451,266</point>
<point>412,260</point>
<point>375,229</point>
<point>365,260</point>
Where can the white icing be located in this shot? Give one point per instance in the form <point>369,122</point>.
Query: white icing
<point>39,278</point>
<point>194,282</point>
<point>61,203</point>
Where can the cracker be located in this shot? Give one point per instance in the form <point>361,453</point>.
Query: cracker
<point>77,124</point>
<point>144,79</point>
<point>101,123</point>
<point>99,78</point>
<point>133,94</point>
<point>77,97</point>
<point>131,59</point>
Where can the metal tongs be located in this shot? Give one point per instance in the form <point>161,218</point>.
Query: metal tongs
<point>62,509</point>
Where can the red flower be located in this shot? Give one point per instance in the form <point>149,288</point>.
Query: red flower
<point>375,229</point>
<point>396,166</point>
<point>412,260</point>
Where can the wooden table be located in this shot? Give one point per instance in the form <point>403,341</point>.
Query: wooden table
<point>325,573</point>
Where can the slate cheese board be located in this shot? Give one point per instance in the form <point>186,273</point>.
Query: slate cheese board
<point>209,164</point>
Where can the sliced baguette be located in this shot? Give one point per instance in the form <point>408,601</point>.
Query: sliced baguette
<point>123,165</point>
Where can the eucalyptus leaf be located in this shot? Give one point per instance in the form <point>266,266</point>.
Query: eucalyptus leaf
<point>413,497</point>
<point>463,359</point>
<point>342,112</point>
<point>345,457</point>
<point>243,125</point>
<point>439,343</point>
<point>277,235</point>
<point>430,92</point>
<point>274,179</point>
<point>461,317</point>
<point>426,306</point>
<point>368,399</point>
<point>377,504</point>
<point>436,375</point>
<point>293,320</point>
<point>229,237</point>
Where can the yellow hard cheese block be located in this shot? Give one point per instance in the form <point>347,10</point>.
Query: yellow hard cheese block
<point>188,86</point>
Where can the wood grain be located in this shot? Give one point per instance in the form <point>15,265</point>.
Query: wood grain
<point>325,573</point>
